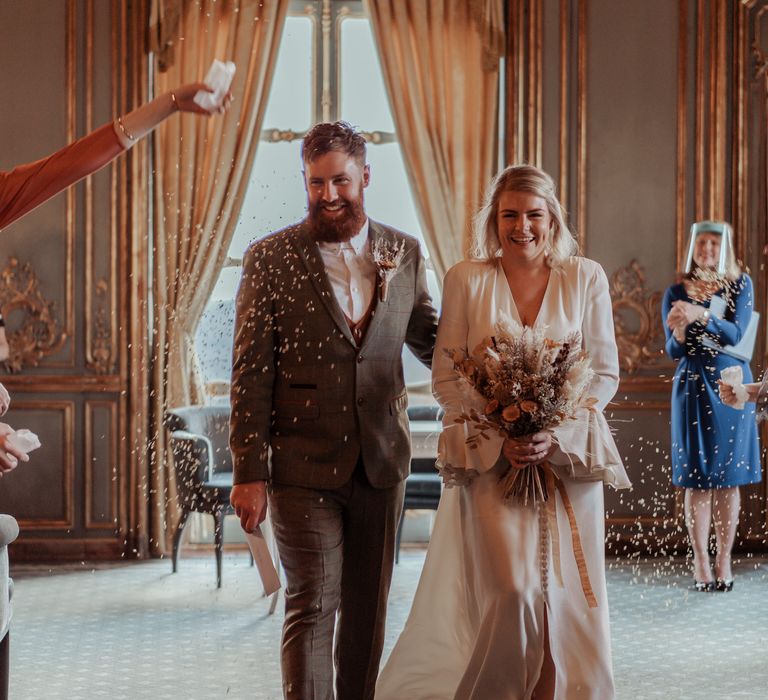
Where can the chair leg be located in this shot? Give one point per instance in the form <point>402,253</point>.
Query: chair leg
<point>5,645</point>
<point>177,539</point>
<point>280,572</point>
<point>218,537</point>
<point>276,594</point>
<point>273,602</point>
<point>399,536</point>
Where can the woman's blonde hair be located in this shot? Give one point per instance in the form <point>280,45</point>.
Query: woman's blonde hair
<point>521,178</point>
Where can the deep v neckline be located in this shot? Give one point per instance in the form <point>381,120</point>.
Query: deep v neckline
<point>501,277</point>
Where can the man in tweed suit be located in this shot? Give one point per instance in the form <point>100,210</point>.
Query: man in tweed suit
<point>319,413</point>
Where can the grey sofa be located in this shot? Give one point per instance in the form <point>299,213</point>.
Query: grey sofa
<point>9,531</point>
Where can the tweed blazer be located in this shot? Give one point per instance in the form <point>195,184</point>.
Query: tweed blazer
<point>306,400</point>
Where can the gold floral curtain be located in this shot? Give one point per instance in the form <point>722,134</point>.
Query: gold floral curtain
<point>441,68</point>
<point>202,169</point>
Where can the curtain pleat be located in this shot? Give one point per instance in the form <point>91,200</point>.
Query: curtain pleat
<point>440,61</point>
<point>202,172</point>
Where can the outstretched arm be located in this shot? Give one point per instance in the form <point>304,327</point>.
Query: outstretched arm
<point>27,186</point>
<point>142,120</point>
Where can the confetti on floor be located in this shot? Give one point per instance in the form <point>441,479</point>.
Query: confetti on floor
<point>134,630</point>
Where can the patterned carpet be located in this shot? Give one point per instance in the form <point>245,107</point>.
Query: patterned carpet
<point>136,631</point>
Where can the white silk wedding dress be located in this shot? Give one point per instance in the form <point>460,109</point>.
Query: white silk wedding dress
<point>490,584</point>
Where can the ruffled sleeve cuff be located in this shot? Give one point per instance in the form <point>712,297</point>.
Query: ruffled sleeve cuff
<point>586,450</point>
<point>458,462</point>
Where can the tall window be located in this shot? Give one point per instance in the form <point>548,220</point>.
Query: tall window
<point>327,69</point>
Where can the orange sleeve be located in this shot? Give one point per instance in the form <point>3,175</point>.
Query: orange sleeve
<point>27,186</point>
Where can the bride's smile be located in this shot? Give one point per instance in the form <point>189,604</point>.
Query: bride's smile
<point>524,224</point>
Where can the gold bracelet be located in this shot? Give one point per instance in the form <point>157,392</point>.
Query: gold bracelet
<point>124,130</point>
<point>174,100</point>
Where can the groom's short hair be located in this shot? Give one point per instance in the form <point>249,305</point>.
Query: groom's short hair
<point>333,136</point>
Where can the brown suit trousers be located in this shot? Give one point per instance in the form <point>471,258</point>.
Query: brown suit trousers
<point>337,548</point>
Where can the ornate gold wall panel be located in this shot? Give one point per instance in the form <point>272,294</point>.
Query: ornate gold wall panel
<point>639,334</point>
<point>33,330</point>
<point>714,37</point>
<point>523,82</point>
<point>62,383</point>
<point>134,286</point>
<point>682,129</point>
<point>40,494</point>
<point>524,88</point>
<point>101,260</point>
<point>80,398</point>
<point>71,91</point>
<point>751,173</point>
<point>739,152</point>
<point>649,140</point>
<point>562,172</point>
<point>581,124</point>
<point>101,448</point>
<point>79,36</point>
<point>647,517</point>
<point>706,163</point>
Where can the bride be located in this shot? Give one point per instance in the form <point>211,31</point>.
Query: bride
<point>492,619</point>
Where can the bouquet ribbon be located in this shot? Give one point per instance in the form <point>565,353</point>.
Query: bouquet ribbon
<point>554,482</point>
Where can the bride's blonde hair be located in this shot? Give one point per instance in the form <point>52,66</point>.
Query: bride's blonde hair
<point>521,178</point>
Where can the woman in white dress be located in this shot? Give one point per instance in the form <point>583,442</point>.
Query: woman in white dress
<point>491,619</point>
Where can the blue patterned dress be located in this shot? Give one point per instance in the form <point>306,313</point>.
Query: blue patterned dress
<point>713,445</point>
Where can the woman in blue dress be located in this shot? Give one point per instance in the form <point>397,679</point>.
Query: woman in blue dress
<point>714,447</point>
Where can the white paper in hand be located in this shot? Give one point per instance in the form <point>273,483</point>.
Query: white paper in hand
<point>263,560</point>
<point>734,378</point>
<point>219,79</point>
<point>24,440</point>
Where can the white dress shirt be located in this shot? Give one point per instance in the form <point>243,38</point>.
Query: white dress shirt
<point>351,272</point>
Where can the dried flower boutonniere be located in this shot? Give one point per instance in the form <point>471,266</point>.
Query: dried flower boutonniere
<point>387,256</point>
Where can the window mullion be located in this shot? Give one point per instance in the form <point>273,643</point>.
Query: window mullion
<point>325,63</point>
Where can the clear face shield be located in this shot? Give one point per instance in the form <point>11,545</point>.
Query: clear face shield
<point>719,228</point>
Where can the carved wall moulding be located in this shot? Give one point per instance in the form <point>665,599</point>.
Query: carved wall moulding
<point>758,53</point>
<point>636,316</point>
<point>100,358</point>
<point>33,330</point>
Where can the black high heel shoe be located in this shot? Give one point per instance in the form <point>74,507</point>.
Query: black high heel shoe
<point>724,585</point>
<point>705,586</point>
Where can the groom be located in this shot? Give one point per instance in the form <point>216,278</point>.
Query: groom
<point>319,412</point>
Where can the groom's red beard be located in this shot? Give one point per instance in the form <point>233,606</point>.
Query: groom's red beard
<point>340,228</point>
